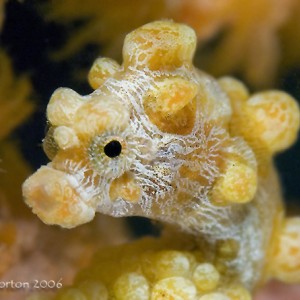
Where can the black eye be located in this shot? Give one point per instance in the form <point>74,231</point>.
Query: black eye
<point>113,148</point>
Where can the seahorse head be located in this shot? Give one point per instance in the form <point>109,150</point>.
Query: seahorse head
<point>151,140</point>
<point>148,137</point>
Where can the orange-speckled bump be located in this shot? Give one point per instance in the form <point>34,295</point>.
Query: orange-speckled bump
<point>286,258</point>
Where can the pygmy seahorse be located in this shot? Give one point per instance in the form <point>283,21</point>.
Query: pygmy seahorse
<point>161,139</point>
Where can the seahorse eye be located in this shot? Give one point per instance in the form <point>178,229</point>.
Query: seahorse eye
<point>111,154</point>
<point>113,149</point>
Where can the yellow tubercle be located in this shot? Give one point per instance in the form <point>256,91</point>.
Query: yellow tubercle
<point>165,49</point>
<point>166,264</point>
<point>174,288</point>
<point>131,286</point>
<point>268,120</point>
<point>171,95</point>
<point>275,117</point>
<point>103,115</point>
<point>238,184</point>
<point>206,277</point>
<point>62,107</point>
<point>125,187</point>
<point>236,91</point>
<point>102,69</point>
<point>227,249</point>
<point>285,261</point>
<point>65,137</point>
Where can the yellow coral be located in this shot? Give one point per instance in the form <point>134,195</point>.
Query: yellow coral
<point>286,257</point>
<point>257,36</point>
<point>250,44</point>
<point>125,272</point>
<point>131,286</point>
<point>15,107</point>
<point>158,138</point>
<point>14,95</point>
<point>206,277</point>
<point>103,23</point>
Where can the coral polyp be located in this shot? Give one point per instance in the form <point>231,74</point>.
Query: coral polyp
<point>158,138</point>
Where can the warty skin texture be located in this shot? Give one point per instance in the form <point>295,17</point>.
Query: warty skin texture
<point>196,153</point>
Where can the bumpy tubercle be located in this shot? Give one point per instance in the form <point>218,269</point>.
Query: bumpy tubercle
<point>195,153</point>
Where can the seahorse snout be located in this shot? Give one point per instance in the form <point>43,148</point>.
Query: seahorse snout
<point>57,198</point>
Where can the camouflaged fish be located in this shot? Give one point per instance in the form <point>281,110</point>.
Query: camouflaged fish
<point>158,138</point>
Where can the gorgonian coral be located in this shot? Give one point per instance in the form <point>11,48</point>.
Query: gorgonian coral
<point>153,269</point>
<point>102,23</point>
<point>161,139</point>
<point>250,42</point>
<point>247,34</point>
<point>15,107</point>
<point>14,94</point>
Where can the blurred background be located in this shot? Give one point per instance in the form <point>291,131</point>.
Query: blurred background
<point>49,44</point>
